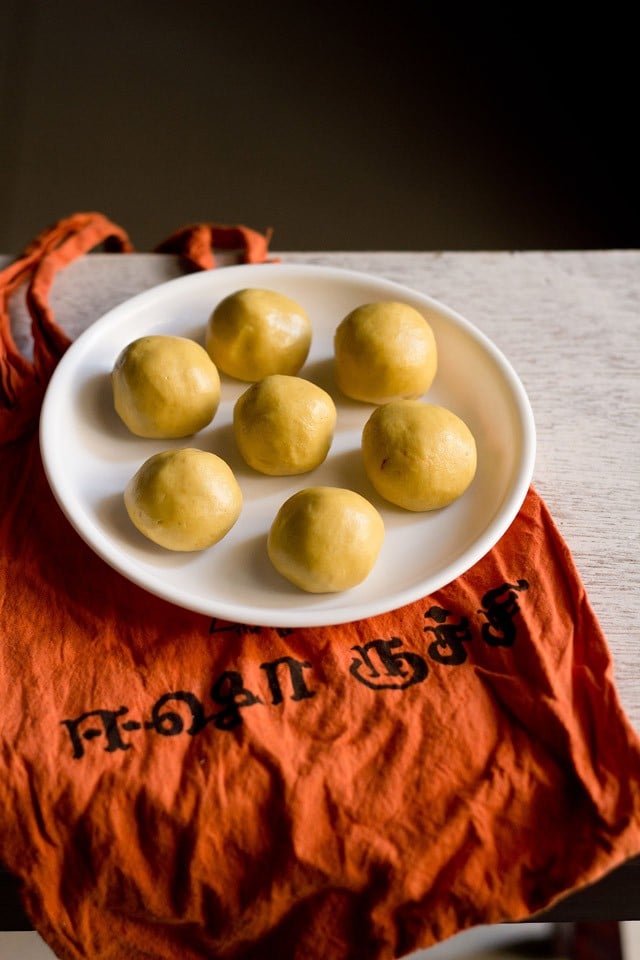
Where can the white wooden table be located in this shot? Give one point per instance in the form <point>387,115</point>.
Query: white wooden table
<point>569,322</point>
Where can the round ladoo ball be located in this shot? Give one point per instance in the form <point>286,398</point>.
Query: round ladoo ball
<point>165,387</point>
<point>417,455</point>
<point>284,425</point>
<point>384,351</point>
<point>325,539</point>
<point>253,333</point>
<point>183,499</point>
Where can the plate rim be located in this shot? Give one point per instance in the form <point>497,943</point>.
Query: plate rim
<point>308,617</point>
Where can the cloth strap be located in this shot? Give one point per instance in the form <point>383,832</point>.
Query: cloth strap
<point>196,243</point>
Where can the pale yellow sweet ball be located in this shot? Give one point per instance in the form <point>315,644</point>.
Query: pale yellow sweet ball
<point>284,425</point>
<point>183,500</point>
<point>325,539</point>
<point>417,455</point>
<point>254,332</point>
<point>165,387</point>
<point>384,351</point>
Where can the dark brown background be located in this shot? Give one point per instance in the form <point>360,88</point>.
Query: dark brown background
<point>342,127</point>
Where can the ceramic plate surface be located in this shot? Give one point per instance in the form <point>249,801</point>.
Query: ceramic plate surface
<point>89,456</point>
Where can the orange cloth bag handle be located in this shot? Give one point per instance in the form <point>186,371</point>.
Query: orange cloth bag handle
<point>197,242</point>
<point>22,381</point>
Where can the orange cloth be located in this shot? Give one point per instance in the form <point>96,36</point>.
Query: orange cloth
<point>175,787</point>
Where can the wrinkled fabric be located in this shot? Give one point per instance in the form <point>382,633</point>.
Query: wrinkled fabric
<point>175,786</point>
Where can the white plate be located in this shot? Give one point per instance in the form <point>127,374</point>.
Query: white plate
<point>89,456</point>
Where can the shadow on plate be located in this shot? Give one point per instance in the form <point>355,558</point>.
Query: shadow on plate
<point>95,400</point>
